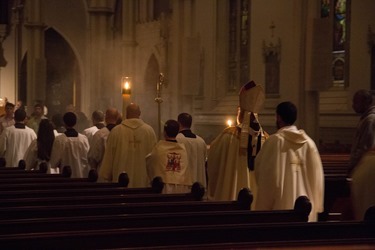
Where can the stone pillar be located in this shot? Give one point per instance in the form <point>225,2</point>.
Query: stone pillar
<point>100,55</point>
<point>36,61</point>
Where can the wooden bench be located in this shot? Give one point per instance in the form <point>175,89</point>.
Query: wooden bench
<point>337,186</point>
<point>218,236</point>
<point>300,213</point>
<point>103,208</point>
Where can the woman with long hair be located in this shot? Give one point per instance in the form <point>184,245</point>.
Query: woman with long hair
<point>40,149</point>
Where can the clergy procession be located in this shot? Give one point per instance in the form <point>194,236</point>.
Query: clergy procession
<point>281,172</point>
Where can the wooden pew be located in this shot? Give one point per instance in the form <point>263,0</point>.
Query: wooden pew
<point>219,236</point>
<point>337,186</point>
<point>300,213</point>
<point>164,205</point>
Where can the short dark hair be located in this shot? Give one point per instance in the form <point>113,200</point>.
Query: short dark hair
<point>171,128</point>
<point>185,120</point>
<point>97,116</point>
<point>70,119</point>
<point>19,115</point>
<point>9,104</point>
<point>39,105</point>
<point>288,112</point>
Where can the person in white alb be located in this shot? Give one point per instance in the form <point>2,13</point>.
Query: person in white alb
<point>288,166</point>
<point>169,161</point>
<point>15,140</point>
<point>97,118</point>
<point>196,149</point>
<point>99,140</point>
<point>70,149</point>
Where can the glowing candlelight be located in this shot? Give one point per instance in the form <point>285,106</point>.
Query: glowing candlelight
<point>126,91</point>
<point>229,122</point>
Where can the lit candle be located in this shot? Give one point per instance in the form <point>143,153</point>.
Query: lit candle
<point>229,122</point>
<point>126,91</point>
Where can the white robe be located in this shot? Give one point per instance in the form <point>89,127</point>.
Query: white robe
<point>227,167</point>
<point>196,149</point>
<point>14,143</point>
<point>363,185</point>
<point>71,151</point>
<point>127,146</point>
<point>90,132</point>
<point>97,148</point>
<point>32,161</point>
<point>169,160</point>
<point>288,166</point>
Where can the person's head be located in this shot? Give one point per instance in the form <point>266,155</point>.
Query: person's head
<point>111,116</point>
<point>9,109</point>
<point>133,111</point>
<point>362,100</point>
<point>171,129</point>
<point>185,120</point>
<point>97,116</point>
<point>45,138</point>
<point>286,114</point>
<point>19,116</point>
<point>19,105</point>
<point>38,110</point>
<point>70,119</point>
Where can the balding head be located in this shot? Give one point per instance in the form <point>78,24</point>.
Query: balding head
<point>133,111</point>
<point>111,116</point>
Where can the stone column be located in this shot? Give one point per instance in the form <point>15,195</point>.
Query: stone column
<point>36,61</point>
<point>100,54</point>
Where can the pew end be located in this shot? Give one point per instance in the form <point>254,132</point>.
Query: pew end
<point>22,164</point>
<point>67,171</point>
<point>3,162</point>
<point>157,184</point>
<point>93,175</point>
<point>198,191</point>
<point>245,198</point>
<point>43,167</point>
<point>123,179</point>
<point>302,207</point>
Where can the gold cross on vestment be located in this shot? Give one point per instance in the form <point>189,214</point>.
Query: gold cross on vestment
<point>134,142</point>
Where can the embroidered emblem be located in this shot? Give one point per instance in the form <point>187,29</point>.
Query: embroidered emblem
<point>173,163</point>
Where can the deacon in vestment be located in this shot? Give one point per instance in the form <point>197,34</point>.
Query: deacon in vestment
<point>15,140</point>
<point>231,155</point>
<point>169,160</point>
<point>127,146</point>
<point>288,166</point>
<point>196,149</point>
<point>70,149</point>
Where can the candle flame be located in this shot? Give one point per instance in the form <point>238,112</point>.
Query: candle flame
<point>229,122</point>
<point>126,85</point>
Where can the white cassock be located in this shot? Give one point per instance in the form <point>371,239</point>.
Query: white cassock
<point>90,132</point>
<point>363,185</point>
<point>14,143</point>
<point>169,161</point>
<point>227,167</point>
<point>196,149</point>
<point>126,149</point>
<point>71,151</point>
<point>97,148</point>
<point>288,166</point>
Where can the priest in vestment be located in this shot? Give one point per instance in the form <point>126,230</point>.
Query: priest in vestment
<point>288,166</point>
<point>231,155</point>
<point>127,146</point>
